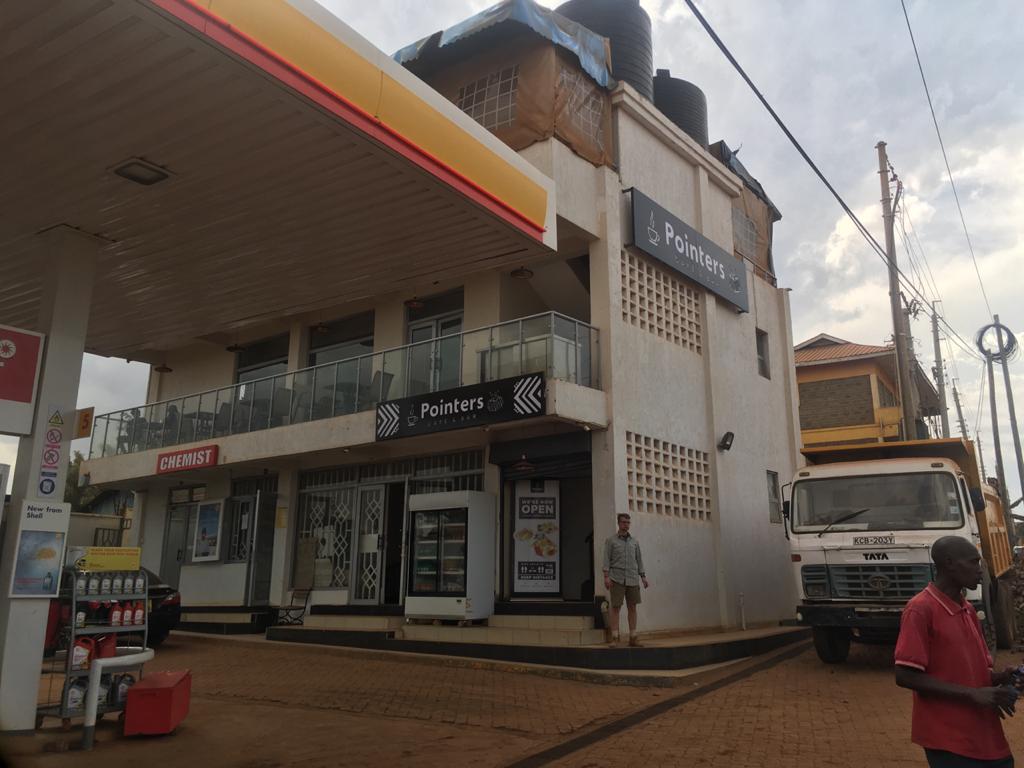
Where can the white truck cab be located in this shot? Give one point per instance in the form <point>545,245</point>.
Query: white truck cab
<point>861,533</point>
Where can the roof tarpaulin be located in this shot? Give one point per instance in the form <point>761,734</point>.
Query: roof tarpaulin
<point>591,49</point>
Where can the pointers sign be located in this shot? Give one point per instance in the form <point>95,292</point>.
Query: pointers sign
<point>503,400</point>
<point>21,355</point>
<point>658,233</point>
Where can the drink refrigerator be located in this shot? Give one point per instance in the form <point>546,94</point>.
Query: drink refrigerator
<point>451,562</point>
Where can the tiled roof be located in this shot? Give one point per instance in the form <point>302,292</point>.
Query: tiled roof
<point>837,352</point>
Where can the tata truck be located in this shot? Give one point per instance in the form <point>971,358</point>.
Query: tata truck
<point>861,521</point>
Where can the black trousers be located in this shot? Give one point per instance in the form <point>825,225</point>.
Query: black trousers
<point>939,759</point>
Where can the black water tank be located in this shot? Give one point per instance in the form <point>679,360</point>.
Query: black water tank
<point>628,27</point>
<point>683,103</point>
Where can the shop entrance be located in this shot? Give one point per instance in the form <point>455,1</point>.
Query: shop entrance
<point>377,565</point>
<point>175,543</point>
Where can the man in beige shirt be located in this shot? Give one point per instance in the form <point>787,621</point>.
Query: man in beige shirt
<point>623,567</point>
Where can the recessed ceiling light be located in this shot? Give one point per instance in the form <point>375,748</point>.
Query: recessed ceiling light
<point>522,273</point>
<point>141,171</point>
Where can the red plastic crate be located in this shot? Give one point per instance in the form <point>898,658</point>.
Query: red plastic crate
<point>157,703</point>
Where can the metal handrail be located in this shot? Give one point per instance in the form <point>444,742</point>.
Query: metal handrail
<point>314,373</point>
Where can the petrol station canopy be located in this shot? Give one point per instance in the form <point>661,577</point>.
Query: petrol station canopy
<point>238,161</point>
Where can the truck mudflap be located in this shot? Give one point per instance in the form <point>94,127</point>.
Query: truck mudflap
<point>853,616</point>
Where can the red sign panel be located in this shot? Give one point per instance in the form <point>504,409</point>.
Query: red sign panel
<point>192,458</point>
<point>19,364</point>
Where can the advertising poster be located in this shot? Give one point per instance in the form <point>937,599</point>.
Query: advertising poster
<point>535,533</point>
<point>207,541</point>
<point>37,564</point>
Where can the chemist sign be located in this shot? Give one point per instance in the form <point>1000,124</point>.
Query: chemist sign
<point>21,356</point>
<point>658,233</point>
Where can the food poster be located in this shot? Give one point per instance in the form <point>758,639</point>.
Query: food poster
<point>37,564</point>
<point>535,534</point>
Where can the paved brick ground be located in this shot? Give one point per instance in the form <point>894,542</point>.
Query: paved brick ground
<point>266,705</point>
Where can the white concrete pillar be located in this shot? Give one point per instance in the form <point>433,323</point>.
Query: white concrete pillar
<point>608,459</point>
<point>298,346</point>
<point>67,262</point>
<point>285,516</point>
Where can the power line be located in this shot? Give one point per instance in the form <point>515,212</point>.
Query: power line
<point>945,159</point>
<point>903,279</point>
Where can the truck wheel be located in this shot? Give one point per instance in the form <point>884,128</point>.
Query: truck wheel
<point>832,644</point>
<point>1002,606</point>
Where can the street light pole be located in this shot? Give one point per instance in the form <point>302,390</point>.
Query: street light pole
<point>940,378</point>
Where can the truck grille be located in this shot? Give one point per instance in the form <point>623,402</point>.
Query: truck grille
<point>875,582</point>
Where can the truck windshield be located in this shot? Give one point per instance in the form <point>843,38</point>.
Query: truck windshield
<point>889,502</point>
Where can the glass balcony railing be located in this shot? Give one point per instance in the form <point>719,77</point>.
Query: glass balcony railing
<point>550,343</point>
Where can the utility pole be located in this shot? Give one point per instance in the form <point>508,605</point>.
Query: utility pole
<point>899,340</point>
<point>959,412</point>
<point>981,458</point>
<point>1009,402</point>
<point>940,378</point>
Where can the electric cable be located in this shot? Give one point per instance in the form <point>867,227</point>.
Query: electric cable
<point>964,345</point>
<point>945,159</point>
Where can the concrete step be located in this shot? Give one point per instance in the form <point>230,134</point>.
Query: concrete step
<point>501,635</point>
<point>578,623</point>
<point>354,623</point>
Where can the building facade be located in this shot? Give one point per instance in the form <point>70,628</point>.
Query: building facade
<point>849,393</point>
<point>642,363</point>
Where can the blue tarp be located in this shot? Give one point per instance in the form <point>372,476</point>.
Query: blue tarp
<point>591,49</point>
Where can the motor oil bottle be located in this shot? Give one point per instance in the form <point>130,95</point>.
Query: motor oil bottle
<point>115,614</point>
<point>81,584</point>
<point>105,584</point>
<point>94,583</point>
<point>140,612</point>
<point>140,583</point>
<point>82,653</point>
<point>80,615</point>
<point>117,583</point>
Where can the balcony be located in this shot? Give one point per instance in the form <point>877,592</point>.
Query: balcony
<point>558,346</point>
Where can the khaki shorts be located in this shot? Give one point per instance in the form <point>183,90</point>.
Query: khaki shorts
<point>621,591</point>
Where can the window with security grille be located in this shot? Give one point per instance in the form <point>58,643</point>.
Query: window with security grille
<point>774,497</point>
<point>491,100</point>
<point>655,301</point>
<point>667,479</point>
<point>764,363</point>
<point>240,514</point>
<point>584,103</point>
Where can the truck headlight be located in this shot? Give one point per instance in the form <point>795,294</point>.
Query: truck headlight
<point>815,590</point>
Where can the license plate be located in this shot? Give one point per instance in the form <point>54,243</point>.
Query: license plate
<point>870,540</point>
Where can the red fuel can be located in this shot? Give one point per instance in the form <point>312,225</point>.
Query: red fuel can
<point>157,703</point>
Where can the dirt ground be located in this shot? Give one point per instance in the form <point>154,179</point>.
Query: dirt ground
<point>264,705</point>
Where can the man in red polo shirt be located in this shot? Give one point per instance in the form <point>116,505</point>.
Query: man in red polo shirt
<point>942,657</point>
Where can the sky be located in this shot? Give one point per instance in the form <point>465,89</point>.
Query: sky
<point>843,77</point>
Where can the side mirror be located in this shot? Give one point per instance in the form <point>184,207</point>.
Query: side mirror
<point>785,509</point>
<point>977,500</point>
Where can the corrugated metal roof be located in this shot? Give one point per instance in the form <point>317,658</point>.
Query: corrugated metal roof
<point>837,352</point>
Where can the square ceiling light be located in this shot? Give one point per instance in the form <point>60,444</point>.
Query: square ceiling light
<point>141,171</point>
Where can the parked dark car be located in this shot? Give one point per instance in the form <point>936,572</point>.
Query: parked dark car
<point>164,607</point>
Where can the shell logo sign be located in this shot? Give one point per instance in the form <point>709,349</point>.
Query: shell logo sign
<point>21,354</point>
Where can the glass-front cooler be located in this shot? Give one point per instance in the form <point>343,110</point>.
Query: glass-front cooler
<point>452,563</point>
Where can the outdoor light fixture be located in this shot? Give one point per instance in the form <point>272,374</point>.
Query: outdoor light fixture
<point>321,328</point>
<point>414,303</point>
<point>163,368</point>
<point>523,465</point>
<point>141,172</point>
<point>232,348</point>
<point>726,442</point>
<point>522,273</point>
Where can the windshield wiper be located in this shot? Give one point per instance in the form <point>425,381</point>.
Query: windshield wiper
<point>843,519</point>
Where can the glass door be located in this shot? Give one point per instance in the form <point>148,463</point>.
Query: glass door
<point>425,565</point>
<point>435,354</point>
<point>453,551</point>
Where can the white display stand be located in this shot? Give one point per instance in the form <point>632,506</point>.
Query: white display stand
<point>451,574</point>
